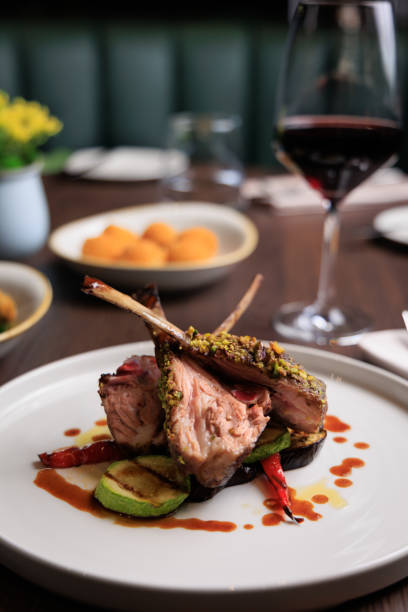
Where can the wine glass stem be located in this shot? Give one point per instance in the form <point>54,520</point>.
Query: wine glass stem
<point>327,283</point>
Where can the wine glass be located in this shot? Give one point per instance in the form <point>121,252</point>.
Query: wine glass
<point>209,144</point>
<point>338,122</point>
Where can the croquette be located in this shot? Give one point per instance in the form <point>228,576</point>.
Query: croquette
<point>8,310</point>
<point>120,233</point>
<point>189,249</point>
<point>103,247</point>
<point>144,252</point>
<point>162,233</point>
<point>203,236</point>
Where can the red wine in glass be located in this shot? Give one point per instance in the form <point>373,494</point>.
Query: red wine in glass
<point>336,153</point>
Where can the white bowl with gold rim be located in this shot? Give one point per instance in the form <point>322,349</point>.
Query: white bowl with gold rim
<point>32,293</point>
<point>237,238</point>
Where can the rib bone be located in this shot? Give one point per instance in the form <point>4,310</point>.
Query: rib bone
<point>98,288</point>
<point>241,307</point>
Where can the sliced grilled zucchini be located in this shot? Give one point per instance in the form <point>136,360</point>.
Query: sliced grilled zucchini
<point>272,440</point>
<point>146,486</point>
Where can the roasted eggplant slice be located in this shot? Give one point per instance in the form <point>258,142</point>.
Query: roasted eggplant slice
<point>245,473</point>
<point>303,449</point>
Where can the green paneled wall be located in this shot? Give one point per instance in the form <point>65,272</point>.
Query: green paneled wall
<point>117,83</point>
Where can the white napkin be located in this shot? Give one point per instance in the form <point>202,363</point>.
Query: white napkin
<point>288,194</point>
<point>387,348</point>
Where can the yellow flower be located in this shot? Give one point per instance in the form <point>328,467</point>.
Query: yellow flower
<point>24,126</point>
<point>26,121</point>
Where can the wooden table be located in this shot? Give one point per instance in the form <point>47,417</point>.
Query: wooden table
<point>371,274</point>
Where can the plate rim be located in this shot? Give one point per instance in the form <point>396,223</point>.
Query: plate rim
<point>219,261</point>
<point>299,351</point>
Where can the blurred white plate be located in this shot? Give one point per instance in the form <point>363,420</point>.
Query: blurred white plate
<point>125,163</point>
<point>387,348</point>
<point>237,237</point>
<point>32,293</point>
<point>393,224</point>
<point>351,551</point>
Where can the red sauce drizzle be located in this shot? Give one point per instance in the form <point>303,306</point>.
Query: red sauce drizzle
<point>248,526</point>
<point>104,436</point>
<point>303,507</point>
<point>72,432</point>
<point>52,482</point>
<point>101,422</point>
<point>343,482</point>
<point>345,468</point>
<point>339,439</point>
<point>192,524</point>
<point>332,423</point>
<point>362,445</point>
<point>276,516</point>
<point>300,507</point>
<point>271,519</point>
<point>320,499</point>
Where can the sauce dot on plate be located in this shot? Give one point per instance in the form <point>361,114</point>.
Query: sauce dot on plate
<point>74,431</point>
<point>346,467</point>
<point>362,445</point>
<point>101,422</point>
<point>333,423</point>
<point>343,482</point>
<point>320,499</point>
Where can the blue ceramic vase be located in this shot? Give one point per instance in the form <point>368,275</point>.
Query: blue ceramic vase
<point>24,215</point>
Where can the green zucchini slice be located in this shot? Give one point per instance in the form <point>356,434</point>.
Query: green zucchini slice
<point>146,486</point>
<point>272,440</point>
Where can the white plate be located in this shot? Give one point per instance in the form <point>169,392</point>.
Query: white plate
<point>125,163</point>
<point>349,552</point>
<point>387,348</point>
<point>237,237</point>
<point>393,224</point>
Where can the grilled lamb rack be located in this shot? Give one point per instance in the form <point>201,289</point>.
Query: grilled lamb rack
<point>211,425</point>
<point>130,396</point>
<point>298,398</point>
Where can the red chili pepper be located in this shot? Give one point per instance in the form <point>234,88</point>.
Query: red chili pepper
<point>273,470</point>
<point>104,450</point>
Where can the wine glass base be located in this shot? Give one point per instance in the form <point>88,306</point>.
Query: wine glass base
<point>331,325</point>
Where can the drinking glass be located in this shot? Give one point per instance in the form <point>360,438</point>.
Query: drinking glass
<point>338,121</point>
<point>210,146</point>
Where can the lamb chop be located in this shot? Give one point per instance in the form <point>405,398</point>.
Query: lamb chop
<point>209,430</point>
<point>130,396</point>
<point>133,409</point>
